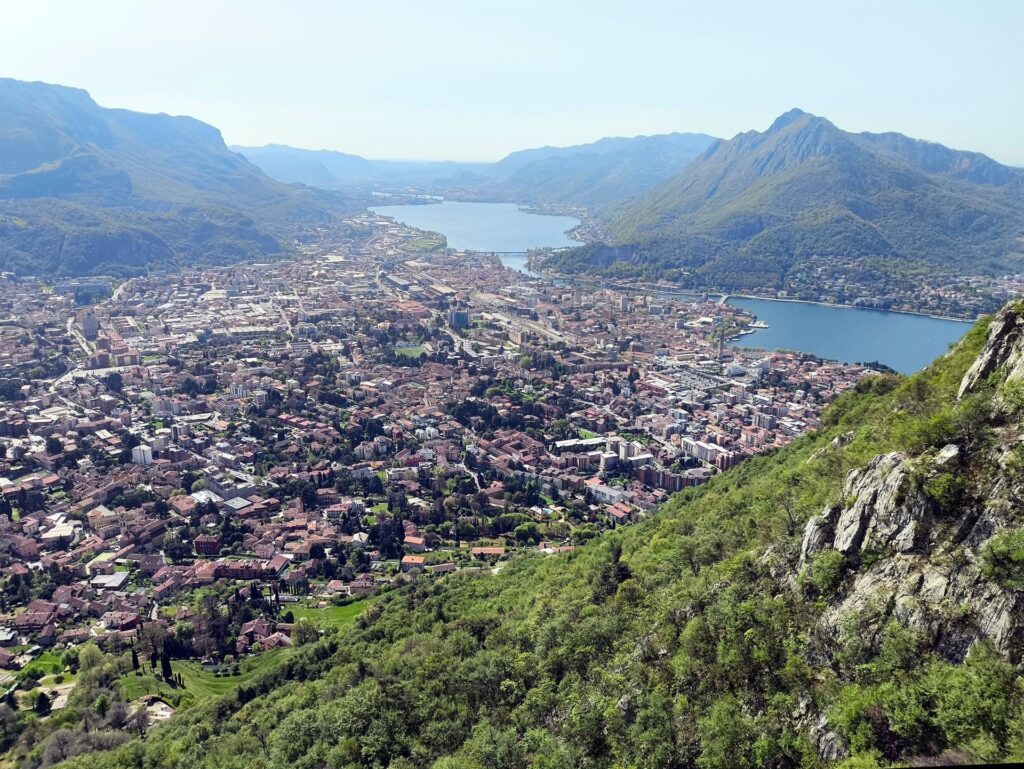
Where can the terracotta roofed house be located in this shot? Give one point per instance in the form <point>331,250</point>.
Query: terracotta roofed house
<point>410,562</point>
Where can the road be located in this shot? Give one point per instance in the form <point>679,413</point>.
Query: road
<point>73,332</point>
<point>119,290</point>
<point>461,345</point>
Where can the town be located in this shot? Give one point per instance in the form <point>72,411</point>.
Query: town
<point>217,464</point>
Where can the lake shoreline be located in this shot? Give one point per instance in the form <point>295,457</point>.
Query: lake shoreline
<point>903,341</point>
<point>641,288</point>
<point>849,307</point>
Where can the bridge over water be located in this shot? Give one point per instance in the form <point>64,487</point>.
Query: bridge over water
<point>496,253</point>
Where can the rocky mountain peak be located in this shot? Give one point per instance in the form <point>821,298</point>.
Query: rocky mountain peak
<point>1004,349</point>
<point>786,118</point>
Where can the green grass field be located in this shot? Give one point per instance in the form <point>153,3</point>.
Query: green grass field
<point>410,351</point>
<point>46,663</point>
<point>331,616</point>
<point>426,243</point>
<point>200,682</point>
<point>65,678</point>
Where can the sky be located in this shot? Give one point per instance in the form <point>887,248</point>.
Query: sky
<point>474,80</point>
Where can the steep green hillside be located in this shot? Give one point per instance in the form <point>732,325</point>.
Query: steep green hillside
<point>85,189</point>
<point>751,209</point>
<point>855,596</point>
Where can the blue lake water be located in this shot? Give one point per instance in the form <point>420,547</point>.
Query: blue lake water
<point>907,343</point>
<point>486,226</point>
<point>904,342</point>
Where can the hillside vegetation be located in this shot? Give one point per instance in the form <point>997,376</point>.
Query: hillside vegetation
<point>853,597</point>
<point>89,190</point>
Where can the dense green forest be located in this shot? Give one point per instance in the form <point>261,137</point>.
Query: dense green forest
<point>699,637</point>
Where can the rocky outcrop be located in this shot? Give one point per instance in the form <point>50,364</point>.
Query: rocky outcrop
<point>883,513</point>
<point>951,604</point>
<point>830,745</point>
<point>819,534</point>
<point>910,561</point>
<point>1004,347</point>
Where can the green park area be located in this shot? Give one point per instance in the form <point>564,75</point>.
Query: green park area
<point>410,351</point>
<point>201,681</point>
<point>330,616</point>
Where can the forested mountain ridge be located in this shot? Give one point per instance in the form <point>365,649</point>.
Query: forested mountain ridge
<point>606,172</point>
<point>751,209</point>
<point>610,170</point>
<point>853,597</point>
<point>85,189</point>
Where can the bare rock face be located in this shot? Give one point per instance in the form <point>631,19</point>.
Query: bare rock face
<point>952,605</point>
<point>883,513</point>
<point>819,534</point>
<point>830,745</point>
<point>1004,347</point>
<point>913,562</point>
<point>886,514</point>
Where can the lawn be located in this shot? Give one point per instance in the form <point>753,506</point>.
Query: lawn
<point>410,351</point>
<point>425,243</point>
<point>200,682</point>
<point>65,678</point>
<point>330,616</point>
<point>46,663</point>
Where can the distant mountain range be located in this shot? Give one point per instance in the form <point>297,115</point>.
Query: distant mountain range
<point>598,174</point>
<point>89,190</point>
<point>341,171</point>
<point>749,210</point>
<point>604,172</point>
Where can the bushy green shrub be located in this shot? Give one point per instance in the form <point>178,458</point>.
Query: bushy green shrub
<point>947,489</point>
<point>1002,559</point>
<point>825,572</point>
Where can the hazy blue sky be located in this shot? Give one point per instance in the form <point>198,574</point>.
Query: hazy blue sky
<point>475,80</point>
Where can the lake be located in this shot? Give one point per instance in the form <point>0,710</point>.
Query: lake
<point>904,342</point>
<point>487,227</point>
